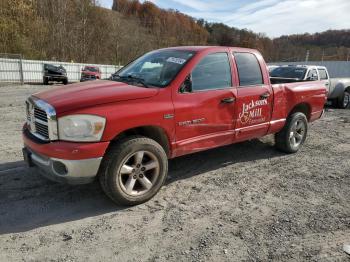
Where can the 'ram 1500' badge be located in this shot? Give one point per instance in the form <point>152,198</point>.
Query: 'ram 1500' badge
<point>191,122</point>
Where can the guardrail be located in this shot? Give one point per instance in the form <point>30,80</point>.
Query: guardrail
<point>17,70</point>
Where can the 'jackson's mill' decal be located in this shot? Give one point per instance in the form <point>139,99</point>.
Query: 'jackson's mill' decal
<point>252,112</point>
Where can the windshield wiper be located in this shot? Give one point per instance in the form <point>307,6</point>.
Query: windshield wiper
<point>133,78</point>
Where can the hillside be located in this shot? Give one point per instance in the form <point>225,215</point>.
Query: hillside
<point>81,31</point>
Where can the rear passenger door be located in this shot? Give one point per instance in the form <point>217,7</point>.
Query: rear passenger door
<point>254,98</point>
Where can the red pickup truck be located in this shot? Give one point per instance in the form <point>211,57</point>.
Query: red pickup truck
<point>167,103</point>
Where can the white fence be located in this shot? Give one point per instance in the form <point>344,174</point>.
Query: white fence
<point>18,70</point>
<point>336,69</point>
<point>31,71</point>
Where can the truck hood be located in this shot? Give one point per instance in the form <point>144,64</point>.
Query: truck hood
<point>82,95</point>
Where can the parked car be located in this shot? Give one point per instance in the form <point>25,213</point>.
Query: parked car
<point>338,88</point>
<point>90,73</point>
<point>294,73</point>
<point>167,103</point>
<point>272,67</point>
<point>54,73</point>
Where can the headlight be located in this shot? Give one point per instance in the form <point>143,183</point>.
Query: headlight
<point>81,128</point>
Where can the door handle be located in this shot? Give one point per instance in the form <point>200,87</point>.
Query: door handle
<point>264,96</point>
<point>228,100</point>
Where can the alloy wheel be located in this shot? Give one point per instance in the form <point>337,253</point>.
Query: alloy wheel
<point>138,173</point>
<point>297,133</point>
<point>346,100</point>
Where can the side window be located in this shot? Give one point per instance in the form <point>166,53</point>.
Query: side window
<point>213,72</point>
<point>249,70</point>
<point>323,74</point>
<point>312,74</point>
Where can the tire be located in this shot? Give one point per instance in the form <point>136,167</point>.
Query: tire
<point>334,102</point>
<point>46,81</point>
<point>133,170</point>
<point>293,134</point>
<point>344,100</point>
<point>65,81</point>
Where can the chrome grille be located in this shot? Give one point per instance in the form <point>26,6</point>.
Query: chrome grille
<point>42,130</point>
<point>40,114</point>
<point>89,76</point>
<point>41,119</point>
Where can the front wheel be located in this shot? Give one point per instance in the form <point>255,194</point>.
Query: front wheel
<point>293,135</point>
<point>133,170</point>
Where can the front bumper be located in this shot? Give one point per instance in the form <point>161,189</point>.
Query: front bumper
<point>81,171</point>
<point>55,77</point>
<point>87,78</point>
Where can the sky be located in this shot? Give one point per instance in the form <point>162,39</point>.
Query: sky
<point>272,17</point>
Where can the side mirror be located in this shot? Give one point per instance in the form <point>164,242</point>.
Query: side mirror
<point>186,87</point>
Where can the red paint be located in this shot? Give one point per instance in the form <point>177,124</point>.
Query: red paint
<point>92,93</point>
<point>68,150</point>
<point>127,107</point>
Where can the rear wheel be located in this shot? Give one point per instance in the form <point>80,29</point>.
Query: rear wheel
<point>133,170</point>
<point>46,81</point>
<point>344,100</point>
<point>293,135</point>
<point>65,81</point>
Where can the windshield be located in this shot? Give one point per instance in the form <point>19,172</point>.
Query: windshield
<point>53,67</point>
<point>91,69</point>
<point>157,68</point>
<point>289,72</point>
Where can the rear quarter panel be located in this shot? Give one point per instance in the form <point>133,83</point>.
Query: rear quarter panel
<point>288,96</point>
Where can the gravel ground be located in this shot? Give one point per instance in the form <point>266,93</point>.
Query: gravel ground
<point>245,202</point>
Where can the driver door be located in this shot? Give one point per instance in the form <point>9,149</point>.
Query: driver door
<point>204,115</point>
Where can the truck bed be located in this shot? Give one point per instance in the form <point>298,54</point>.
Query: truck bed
<point>289,95</point>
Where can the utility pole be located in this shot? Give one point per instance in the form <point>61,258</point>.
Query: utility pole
<point>307,56</point>
<point>348,57</point>
<point>322,55</point>
<point>20,61</point>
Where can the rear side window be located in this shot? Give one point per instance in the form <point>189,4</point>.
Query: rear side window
<point>213,72</point>
<point>312,74</point>
<point>249,70</point>
<point>323,74</point>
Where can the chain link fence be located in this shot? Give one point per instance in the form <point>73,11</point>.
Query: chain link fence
<point>11,68</point>
<point>15,69</point>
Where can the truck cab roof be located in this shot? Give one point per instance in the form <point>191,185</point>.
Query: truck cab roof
<point>305,66</point>
<point>210,48</point>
